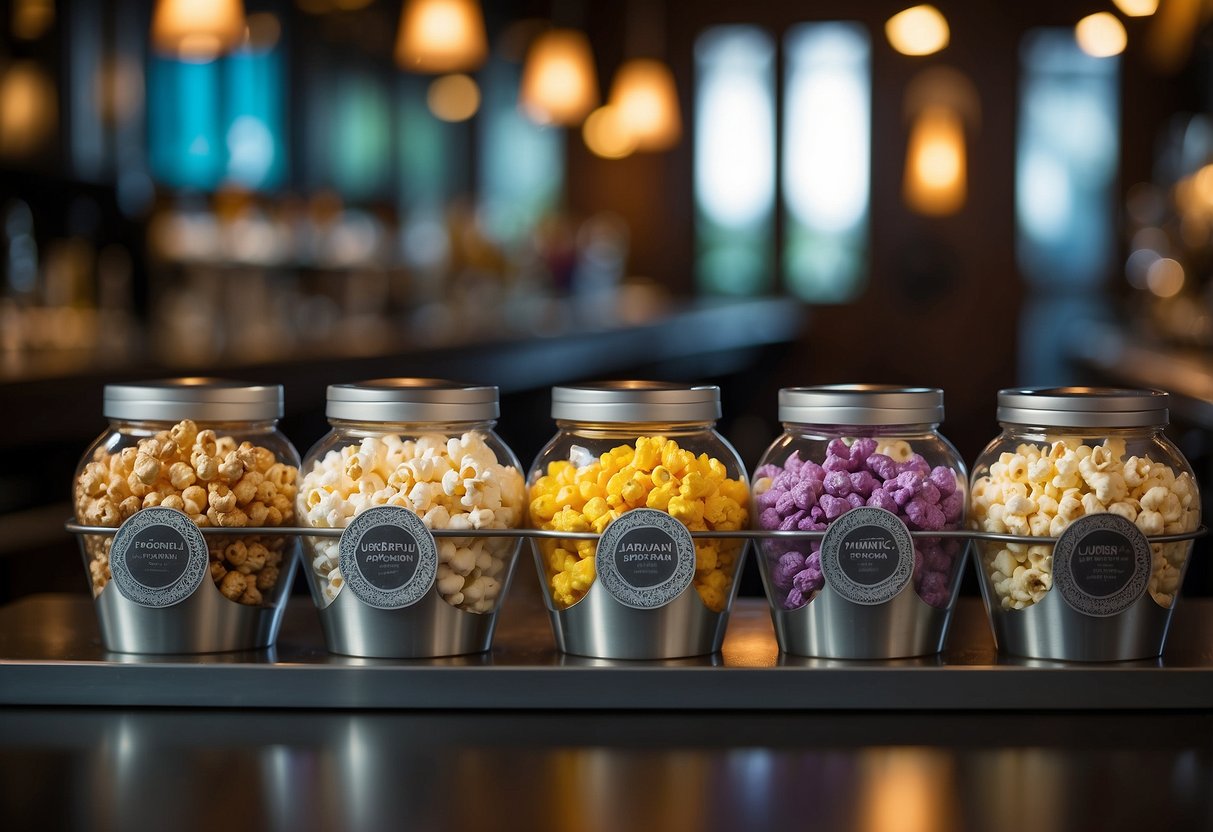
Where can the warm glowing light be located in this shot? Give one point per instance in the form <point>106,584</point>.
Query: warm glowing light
<point>32,18</point>
<point>920,30</point>
<point>1101,35</point>
<point>645,102</point>
<point>559,83</point>
<point>607,135</point>
<point>453,98</point>
<point>28,112</point>
<point>197,30</point>
<point>905,790</point>
<point>441,36</point>
<point>1165,277</point>
<point>1136,8</point>
<point>935,175</point>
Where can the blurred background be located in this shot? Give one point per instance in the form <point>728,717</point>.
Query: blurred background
<point>972,196</point>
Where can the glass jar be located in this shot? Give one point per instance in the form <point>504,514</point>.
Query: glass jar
<point>648,452</point>
<point>869,590</point>
<point>426,448</point>
<point>210,450</point>
<point>1091,469</point>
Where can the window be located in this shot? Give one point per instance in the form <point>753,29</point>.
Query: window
<point>824,180</point>
<point>1067,153</point>
<point>521,164</point>
<point>735,159</point>
<point>827,159</point>
<point>217,121</point>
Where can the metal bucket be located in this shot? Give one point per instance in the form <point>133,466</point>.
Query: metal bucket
<point>832,627</point>
<point>1052,629</point>
<point>205,622</point>
<point>427,629</point>
<point>601,627</point>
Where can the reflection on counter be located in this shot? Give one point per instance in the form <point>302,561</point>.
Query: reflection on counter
<point>878,773</point>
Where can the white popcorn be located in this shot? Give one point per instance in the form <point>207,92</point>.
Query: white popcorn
<point>1039,491</point>
<point>450,482</point>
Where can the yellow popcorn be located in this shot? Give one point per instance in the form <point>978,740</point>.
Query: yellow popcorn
<point>654,473</point>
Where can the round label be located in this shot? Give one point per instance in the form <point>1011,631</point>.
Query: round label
<point>388,557</point>
<point>645,558</point>
<point>158,557</point>
<point>867,555</point>
<point>1101,564</point>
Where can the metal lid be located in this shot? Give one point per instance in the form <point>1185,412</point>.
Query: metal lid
<point>861,404</point>
<point>1083,407</point>
<point>197,398</point>
<point>412,400</point>
<point>636,401</point>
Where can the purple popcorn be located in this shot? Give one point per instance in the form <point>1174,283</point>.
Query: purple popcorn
<point>916,464</point>
<point>837,484</point>
<point>795,600</point>
<point>789,523</point>
<point>838,463</point>
<point>768,471</point>
<point>786,503</point>
<point>834,507</point>
<point>953,507</point>
<point>770,519</point>
<point>882,466</point>
<point>862,448</point>
<point>786,569</point>
<point>929,493</point>
<point>924,515</point>
<point>837,447</point>
<point>863,483</point>
<point>812,471</point>
<point>806,496</point>
<point>808,581</point>
<point>938,562</point>
<point>944,479</point>
<point>882,499</point>
<point>803,495</point>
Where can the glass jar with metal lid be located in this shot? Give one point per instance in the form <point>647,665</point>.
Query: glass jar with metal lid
<point>404,457</point>
<point>641,464</point>
<point>180,454</point>
<point>866,465</point>
<point>1091,469</point>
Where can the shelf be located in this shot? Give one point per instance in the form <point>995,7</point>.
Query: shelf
<point>51,655</point>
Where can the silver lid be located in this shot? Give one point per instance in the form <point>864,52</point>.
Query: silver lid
<point>636,401</point>
<point>197,398</point>
<point>861,404</point>
<point>411,400</point>
<point>1083,407</point>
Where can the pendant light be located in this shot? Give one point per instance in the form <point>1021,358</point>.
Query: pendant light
<point>559,82</point>
<point>441,36</point>
<point>941,105</point>
<point>197,30</point>
<point>645,101</point>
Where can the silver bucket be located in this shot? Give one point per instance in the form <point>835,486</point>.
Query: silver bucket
<point>831,627</point>
<point>205,622</point>
<point>1052,629</point>
<point>600,627</point>
<point>427,629</point>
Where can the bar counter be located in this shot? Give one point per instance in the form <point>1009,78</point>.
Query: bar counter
<point>526,739</point>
